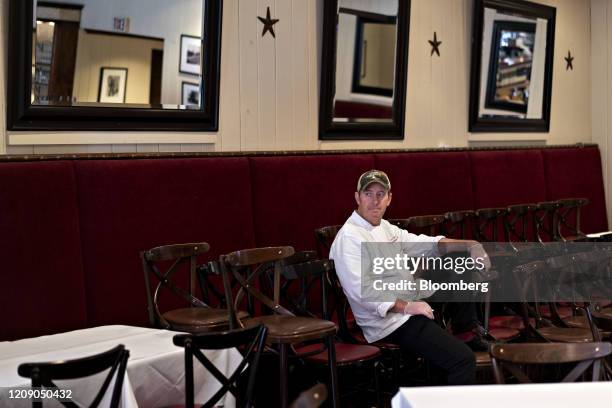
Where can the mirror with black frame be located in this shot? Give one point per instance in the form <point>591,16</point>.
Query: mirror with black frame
<point>114,64</point>
<point>512,60</point>
<point>364,67</point>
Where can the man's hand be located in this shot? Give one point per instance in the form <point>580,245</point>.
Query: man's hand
<point>478,251</point>
<point>413,308</point>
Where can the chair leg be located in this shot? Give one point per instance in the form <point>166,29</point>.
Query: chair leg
<point>284,372</point>
<point>333,374</point>
<point>396,355</point>
<point>376,383</point>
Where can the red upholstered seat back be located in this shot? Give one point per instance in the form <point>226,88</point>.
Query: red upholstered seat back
<point>70,232</point>
<point>131,205</point>
<point>42,288</point>
<point>576,172</point>
<point>426,183</point>
<point>293,195</point>
<point>503,178</point>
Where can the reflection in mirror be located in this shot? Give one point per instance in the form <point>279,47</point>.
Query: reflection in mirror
<point>86,53</point>
<point>365,61</point>
<point>364,68</point>
<point>114,65</point>
<point>511,66</point>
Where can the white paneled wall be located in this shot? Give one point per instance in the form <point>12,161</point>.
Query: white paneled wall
<point>601,88</point>
<point>269,86</point>
<point>3,34</point>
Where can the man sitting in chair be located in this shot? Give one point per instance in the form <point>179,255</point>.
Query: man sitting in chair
<point>407,323</point>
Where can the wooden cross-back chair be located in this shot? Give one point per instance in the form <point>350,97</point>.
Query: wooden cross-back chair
<point>509,357</point>
<point>251,340</point>
<point>545,219</point>
<point>519,223</point>
<point>196,316</point>
<point>568,219</point>
<point>529,278</point>
<point>459,224</point>
<point>304,291</point>
<point>44,374</point>
<point>348,330</point>
<point>489,225</point>
<point>421,224</point>
<point>284,328</point>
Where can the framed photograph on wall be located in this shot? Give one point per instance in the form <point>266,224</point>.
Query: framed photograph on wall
<point>113,82</point>
<point>190,94</point>
<point>190,55</point>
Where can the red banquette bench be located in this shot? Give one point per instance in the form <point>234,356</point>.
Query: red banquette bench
<point>71,227</point>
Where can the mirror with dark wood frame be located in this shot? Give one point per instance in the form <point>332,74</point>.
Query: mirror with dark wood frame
<point>512,60</point>
<point>114,65</point>
<point>364,69</point>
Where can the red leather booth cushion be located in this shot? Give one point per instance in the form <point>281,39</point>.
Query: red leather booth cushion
<point>577,173</point>
<point>427,183</point>
<point>293,195</point>
<point>502,178</point>
<point>131,205</point>
<point>42,289</point>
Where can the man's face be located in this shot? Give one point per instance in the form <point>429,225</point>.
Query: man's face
<point>372,203</point>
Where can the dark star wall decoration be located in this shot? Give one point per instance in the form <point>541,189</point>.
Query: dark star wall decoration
<point>569,61</point>
<point>435,44</point>
<point>268,23</point>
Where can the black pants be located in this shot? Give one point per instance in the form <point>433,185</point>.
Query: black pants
<point>423,337</point>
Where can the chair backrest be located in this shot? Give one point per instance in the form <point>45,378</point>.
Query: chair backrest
<point>251,340</point>
<point>509,356</point>
<point>304,284</point>
<point>179,255</point>
<point>489,223</point>
<point>421,224</point>
<point>568,218</point>
<point>325,237</point>
<point>341,308</point>
<point>43,374</point>
<point>459,224</point>
<point>546,221</point>
<point>247,266</point>
<point>519,223</point>
<point>557,276</point>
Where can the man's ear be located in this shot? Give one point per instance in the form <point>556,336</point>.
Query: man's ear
<point>357,198</point>
<point>390,197</point>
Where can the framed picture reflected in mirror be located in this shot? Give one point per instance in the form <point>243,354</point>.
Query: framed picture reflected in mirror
<point>190,94</point>
<point>190,55</point>
<point>113,83</point>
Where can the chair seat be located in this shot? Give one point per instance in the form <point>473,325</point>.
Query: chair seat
<point>504,333</point>
<point>564,311</point>
<point>483,359</point>
<point>199,319</point>
<point>345,353</point>
<point>293,329</point>
<point>511,322</point>
<point>383,345</point>
<point>572,335</point>
<point>605,313</point>
<point>580,322</point>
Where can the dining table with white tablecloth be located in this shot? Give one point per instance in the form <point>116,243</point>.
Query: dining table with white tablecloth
<point>155,370</point>
<point>548,395</point>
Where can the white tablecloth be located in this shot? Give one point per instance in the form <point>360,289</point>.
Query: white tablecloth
<point>155,371</point>
<point>586,394</point>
